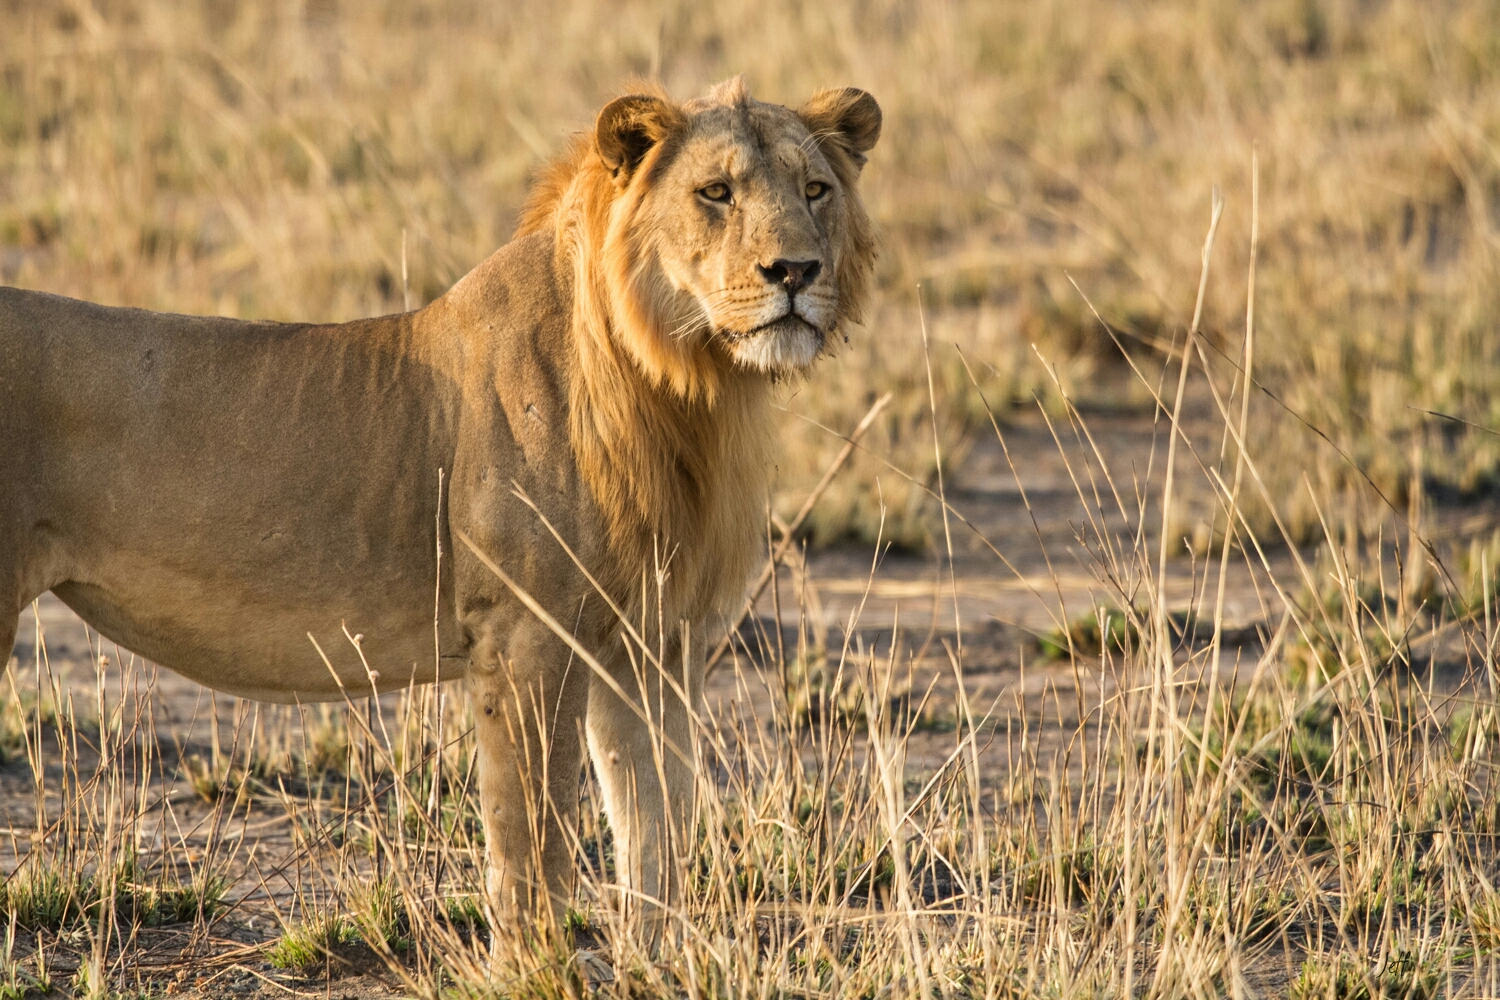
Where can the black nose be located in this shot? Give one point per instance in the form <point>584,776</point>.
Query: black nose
<point>794,274</point>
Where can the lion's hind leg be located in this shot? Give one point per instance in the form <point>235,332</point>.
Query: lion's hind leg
<point>34,553</point>
<point>16,593</point>
<point>8,625</point>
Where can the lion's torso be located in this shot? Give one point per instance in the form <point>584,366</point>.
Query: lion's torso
<point>209,492</point>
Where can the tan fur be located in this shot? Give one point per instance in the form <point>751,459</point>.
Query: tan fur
<point>211,493</point>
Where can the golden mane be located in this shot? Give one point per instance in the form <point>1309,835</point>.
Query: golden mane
<point>668,439</point>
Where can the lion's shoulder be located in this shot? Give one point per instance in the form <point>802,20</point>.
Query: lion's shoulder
<point>509,322</point>
<point>519,290</point>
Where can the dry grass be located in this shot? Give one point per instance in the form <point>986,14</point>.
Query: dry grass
<point>1312,814</point>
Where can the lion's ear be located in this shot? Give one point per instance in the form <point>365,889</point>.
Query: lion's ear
<point>629,126</point>
<point>846,115</point>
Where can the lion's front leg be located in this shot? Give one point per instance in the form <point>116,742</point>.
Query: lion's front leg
<point>644,753</point>
<point>528,698</point>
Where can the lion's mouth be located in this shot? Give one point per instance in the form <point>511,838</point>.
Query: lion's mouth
<point>786,323</point>
<point>784,344</point>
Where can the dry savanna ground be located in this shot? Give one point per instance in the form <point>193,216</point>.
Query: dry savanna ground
<point>1144,646</point>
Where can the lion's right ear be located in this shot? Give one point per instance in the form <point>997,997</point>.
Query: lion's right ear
<point>845,115</point>
<point>629,126</point>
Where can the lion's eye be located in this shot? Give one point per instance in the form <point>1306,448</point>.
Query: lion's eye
<point>715,192</point>
<point>816,190</point>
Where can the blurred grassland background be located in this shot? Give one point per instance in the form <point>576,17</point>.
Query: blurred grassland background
<point>263,159</point>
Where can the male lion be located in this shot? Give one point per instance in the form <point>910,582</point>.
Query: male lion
<point>212,493</point>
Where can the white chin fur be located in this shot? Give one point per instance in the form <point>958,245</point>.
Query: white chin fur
<point>782,346</point>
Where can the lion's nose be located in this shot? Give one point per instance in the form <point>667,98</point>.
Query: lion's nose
<point>794,274</point>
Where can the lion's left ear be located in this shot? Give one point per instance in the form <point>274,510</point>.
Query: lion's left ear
<point>846,115</point>
<point>629,126</point>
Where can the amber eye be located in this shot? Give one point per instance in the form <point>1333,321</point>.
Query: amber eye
<point>816,190</point>
<point>715,192</point>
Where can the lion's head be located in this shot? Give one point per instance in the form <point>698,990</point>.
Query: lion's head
<point>717,234</point>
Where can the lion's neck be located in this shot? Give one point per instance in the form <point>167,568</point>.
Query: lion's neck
<point>682,483</point>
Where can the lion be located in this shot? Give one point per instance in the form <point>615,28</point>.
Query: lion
<point>270,509</point>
